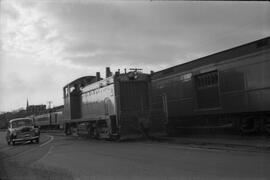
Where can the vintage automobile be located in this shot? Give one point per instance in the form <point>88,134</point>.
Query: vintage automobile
<point>22,129</point>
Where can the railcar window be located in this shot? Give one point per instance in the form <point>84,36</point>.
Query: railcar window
<point>186,77</point>
<point>207,90</point>
<point>207,80</point>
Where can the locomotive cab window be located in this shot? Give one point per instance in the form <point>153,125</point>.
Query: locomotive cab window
<point>65,92</point>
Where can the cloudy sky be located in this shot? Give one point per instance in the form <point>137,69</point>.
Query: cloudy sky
<point>47,43</point>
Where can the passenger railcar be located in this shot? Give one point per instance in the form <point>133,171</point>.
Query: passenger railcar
<point>114,107</point>
<point>52,120</point>
<point>229,90</point>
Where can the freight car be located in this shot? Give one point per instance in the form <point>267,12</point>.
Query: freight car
<point>50,120</point>
<point>226,91</point>
<point>114,107</point>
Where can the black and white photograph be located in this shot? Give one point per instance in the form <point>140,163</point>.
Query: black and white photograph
<point>134,89</point>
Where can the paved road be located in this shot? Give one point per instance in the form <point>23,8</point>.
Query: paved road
<point>64,157</point>
<point>16,162</point>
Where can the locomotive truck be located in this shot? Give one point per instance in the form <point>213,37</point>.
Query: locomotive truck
<point>114,107</point>
<point>226,91</point>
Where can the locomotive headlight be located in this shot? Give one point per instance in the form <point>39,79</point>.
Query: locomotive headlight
<point>132,75</point>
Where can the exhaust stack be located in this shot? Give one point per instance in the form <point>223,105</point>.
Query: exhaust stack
<point>108,72</point>
<point>97,76</point>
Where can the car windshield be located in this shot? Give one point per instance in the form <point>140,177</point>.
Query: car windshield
<point>23,122</point>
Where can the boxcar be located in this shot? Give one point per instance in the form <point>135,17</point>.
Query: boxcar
<point>114,107</point>
<point>229,90</point>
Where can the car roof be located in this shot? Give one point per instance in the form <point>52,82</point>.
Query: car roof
<point>18,119</point>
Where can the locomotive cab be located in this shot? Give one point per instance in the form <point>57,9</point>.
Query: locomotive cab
<point>72,97</point>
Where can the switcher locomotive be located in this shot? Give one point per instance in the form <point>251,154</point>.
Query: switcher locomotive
<point>114,107</point>
<point>226,91</point>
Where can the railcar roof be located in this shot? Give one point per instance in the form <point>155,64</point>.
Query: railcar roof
<point>238,51</point>
<point>81,79</point>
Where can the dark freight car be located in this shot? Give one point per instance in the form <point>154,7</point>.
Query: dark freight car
<point>229,90</point>
<point>117,106</point>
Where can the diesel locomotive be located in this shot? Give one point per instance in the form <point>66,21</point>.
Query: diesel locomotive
<point>112,108</point>
<point>226,91</point>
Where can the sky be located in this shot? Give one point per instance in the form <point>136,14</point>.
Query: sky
<point>46,44</point>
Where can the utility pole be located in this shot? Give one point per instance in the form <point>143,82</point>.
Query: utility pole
<point>50,110</point>
<point>49,102</point>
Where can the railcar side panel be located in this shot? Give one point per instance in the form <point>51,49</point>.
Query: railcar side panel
<point>223,92</point>
<point>51,120</point>
<point>60,120</point>
<point>42,120</point>
<point>98,103</point>
<point>207,90</point>
<point>174,94</point>
<point>246,87</point>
